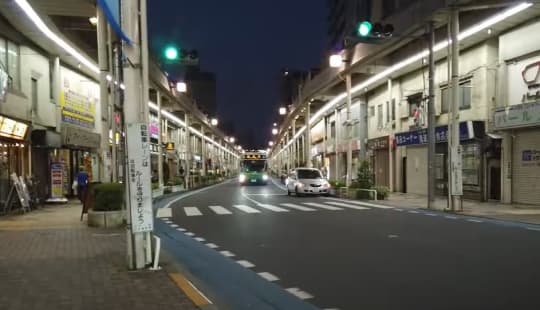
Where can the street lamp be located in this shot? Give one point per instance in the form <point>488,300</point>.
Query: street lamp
<point>214,121</point>
<point>271,143</point>
<point>181,87</point>
<point>232,139</point>
<point>336,61</point>
<point>282,111</point>
<point>274,131</point>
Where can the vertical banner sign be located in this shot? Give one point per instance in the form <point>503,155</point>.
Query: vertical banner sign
<point>140,192</point>
<point>57,180</point>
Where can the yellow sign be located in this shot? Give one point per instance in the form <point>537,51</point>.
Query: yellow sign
<point>170,146</point>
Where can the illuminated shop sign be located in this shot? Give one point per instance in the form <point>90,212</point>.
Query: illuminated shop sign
<point>12,129</point>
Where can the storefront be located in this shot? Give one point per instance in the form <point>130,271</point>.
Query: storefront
<point>415,162</point>
<point>50,176</point>
<point>14,148</point>
<point>522,123</point>
<point>379,156</point>
<point>79,150</point>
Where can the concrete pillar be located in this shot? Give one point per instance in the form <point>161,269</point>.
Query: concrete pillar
<point>160,142</point>
<point>188,158</point>
<point>506,167</point>
<point>309,162</point>
<point>203,153</point>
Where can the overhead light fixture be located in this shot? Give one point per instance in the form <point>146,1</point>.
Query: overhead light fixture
<point>181,87</point>
<point>214,121</point>
<point>336,61</point>
<point>109,77</point>
<point>271,143</point>
<point>122,86</point>
<point>482,26</point>
<point>93,20</point>
<point>282,111</point>
<point>274,131</point>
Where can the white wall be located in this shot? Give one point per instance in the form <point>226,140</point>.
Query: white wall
<point>19,104</point>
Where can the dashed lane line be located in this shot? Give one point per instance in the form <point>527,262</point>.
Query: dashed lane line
<point>268,276</point>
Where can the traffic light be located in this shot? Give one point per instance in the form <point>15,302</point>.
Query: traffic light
<point>366,32</point>
<point>171,53</point>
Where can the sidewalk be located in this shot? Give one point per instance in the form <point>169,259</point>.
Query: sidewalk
<point>51,260</point>
<point>494,210</point>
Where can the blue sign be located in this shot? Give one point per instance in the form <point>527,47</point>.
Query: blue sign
<point>111,10</point>
<point>420,136</point>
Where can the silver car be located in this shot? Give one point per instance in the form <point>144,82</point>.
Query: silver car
<point>307,181</point>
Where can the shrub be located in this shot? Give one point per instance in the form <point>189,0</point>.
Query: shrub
<point>167,190</point>
<point>108,196</point>
<point>364,195</point>
<point>382,192</point>
<point>365,176</point>
<point>155,186</point>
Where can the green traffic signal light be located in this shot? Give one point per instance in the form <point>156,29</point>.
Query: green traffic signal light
<point>364,28</point>
<point>171,53</point>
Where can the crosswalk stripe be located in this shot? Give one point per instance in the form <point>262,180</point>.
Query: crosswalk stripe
<point>268,276</point>
<point>361,203</point>
<point>320,205</point>
<point>226,253</point>
<point>164,213</point>
<point>245,263</point>
<point>297,207</point>
<point>273,208</point>
<point>220,210</point>
<point>346,205</point>
<point>192,211</point>
<point>246,209</point>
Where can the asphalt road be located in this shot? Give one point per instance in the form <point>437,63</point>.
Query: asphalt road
<point>343,255</point>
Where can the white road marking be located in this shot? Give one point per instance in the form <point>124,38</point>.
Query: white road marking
<point>283,187</point>
<point>212,245</point>
<point>189,234</point>
<point>164,212</point>
<point>430,214</point>
<point>166,219</point>
<point>297,207</point>
<point>346,205</point>
<point>174,225</point>
<point>474,221</point>
<point>226,253</point>
<point>272,208</point>
<point>220,210</point>
<point>320,205</point>
<point>399,210</point>
<point>299,293</point>
<point>181,229</point>
<point>450,217</point>
<point>413,211</point>
<point>192,211</point>
<point>246,209</point>
<point>268,276</point>
<point>361,203</point>
<point>200,239</point>
<point>533,228</point>
<point>245,263</point>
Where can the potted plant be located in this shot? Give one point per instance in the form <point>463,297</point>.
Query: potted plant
<point>107,210</point>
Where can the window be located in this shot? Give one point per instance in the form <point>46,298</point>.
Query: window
<point>371,111</point>
<point>464,97</point>
<point>415,102</point>
<point>393,109</point>
<point>332,130</point>
<point>9,61</point>
<point>34,96</point>
<point>387,112</point>
<point>380,116</point>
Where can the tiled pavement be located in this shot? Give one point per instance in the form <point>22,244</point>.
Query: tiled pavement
<point>76,268</point>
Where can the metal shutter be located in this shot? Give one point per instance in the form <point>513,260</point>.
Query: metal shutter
<point>526,173</point>
<point>417,170</point>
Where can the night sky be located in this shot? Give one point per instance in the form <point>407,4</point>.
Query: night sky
<point>246,43</point>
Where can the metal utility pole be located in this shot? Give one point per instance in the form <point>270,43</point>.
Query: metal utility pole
<point>431,118</point>
<point>295,159</point>
<point>187,173</point>
<point>138,186</point>
<point>309,162</point>
<point>103,96</point>
<point>160,141</point>
<point>456,184</point>
<point>348,126</point>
